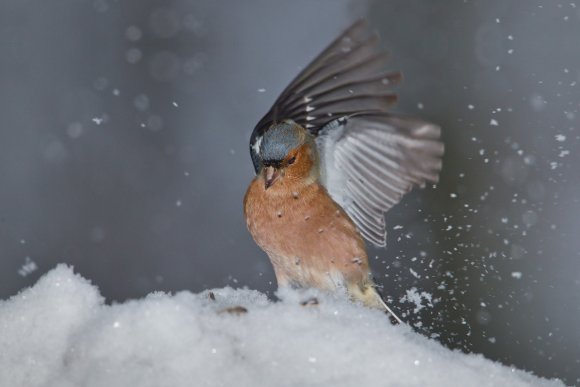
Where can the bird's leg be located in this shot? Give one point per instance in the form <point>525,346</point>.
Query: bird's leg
<point>281,277</point>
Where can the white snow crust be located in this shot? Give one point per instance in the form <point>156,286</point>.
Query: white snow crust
<point>61,333</point>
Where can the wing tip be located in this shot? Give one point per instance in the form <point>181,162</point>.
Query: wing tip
<point>378,240</point>
<point>358,22</point>
<point>427,130</point>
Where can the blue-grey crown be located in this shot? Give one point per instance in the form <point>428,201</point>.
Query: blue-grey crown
<point>279,140</point>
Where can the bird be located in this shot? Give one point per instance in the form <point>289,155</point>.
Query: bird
<point>330,160</point>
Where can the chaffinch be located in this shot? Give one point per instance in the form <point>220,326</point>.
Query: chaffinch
<point>329,162</point>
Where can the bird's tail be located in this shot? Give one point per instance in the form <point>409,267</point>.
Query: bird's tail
<point>370,296</point>
<point>395,320</point>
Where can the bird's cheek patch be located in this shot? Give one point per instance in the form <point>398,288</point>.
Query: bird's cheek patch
<point>303,164</point>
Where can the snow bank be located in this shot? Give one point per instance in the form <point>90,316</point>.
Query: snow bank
<point>60,333</point>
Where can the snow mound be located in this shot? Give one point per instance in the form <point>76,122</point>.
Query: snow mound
<point>60,333</point>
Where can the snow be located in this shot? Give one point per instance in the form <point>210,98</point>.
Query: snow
<point>415,297</point>
<point>98,120</point>
<point>61,333</point>
<point>28,267</point>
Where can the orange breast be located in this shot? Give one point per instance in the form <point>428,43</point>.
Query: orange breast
<point>310,240</point>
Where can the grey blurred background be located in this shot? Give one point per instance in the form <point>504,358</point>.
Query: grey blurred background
<point>124,130</point>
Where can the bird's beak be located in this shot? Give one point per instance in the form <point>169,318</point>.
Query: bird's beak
<point>271,174</point>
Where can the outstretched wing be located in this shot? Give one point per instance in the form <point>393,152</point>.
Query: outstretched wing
<point>369,161</point>
<point>344,79</point>
<point>369,158</point>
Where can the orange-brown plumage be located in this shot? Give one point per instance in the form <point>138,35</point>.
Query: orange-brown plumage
<point>309,238</point>
<point>330,160</point>
<point>307,235</point>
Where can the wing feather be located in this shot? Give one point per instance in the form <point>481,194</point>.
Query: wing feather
<point>375,160</point>
<point>344,79</point>
<point>369,158</point>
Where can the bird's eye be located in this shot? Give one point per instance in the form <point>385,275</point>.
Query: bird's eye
<point>291,161</point>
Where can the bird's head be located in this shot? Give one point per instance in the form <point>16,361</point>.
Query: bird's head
<point>288,153</point>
